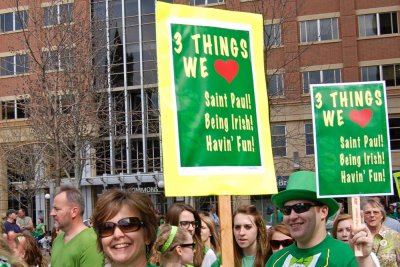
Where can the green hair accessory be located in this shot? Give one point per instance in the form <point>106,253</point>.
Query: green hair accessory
<point>171,237</point>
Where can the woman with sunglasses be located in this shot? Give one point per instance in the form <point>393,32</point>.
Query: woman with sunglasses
<point>278,238</point>
<point>250,234</point>
<point>126,226</point>
<point>174,247</point>
<point>185,216</point>
<point>342,230</point>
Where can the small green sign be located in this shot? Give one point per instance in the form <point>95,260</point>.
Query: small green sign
<point>351,134</point>
<point>215,96</point>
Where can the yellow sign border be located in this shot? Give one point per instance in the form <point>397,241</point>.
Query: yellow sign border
<point>263,182</point>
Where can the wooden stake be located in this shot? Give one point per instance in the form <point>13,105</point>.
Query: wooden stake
<point>225,223</point>
<point>356,214</point>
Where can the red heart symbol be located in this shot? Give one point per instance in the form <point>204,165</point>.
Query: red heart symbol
<point>361,117</point>
<point>228,69</point>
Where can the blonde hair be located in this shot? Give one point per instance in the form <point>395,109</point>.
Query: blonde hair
<point>214,238</point>
<point>6,254</point>
<point>160,254</point>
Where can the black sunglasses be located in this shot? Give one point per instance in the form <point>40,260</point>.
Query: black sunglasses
<point>275,244</point>
<point>298,208</point>
<point>126,225</point>
<point>192,245</point>
<point>185,224</point>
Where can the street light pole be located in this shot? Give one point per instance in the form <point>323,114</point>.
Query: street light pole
<point>47,212</point>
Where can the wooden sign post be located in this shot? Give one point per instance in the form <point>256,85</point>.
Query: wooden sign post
<point>225,222</point>
<point>357,220</point>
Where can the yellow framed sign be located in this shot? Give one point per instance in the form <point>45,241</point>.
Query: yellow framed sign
<point>213,102</point>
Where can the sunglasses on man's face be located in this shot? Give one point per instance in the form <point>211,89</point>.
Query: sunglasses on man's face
<point>275,244</point>
<point>126,225</point>
<point>298,208</point>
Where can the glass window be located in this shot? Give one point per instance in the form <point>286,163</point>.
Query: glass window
<point>278,133</point>
<point>389,73</point>
<point>204,2</point>
<point>115,9</point>
<point>149,32</point>
<point>50,15</point>
<point>368,24</point>
<point>328,29</point>
<point>272,35</point>
<point>21,62</point>
<point>319,30</point>
<point>394,129</point>
<point>148,7</point>
<point>21,20</point>
<point>370,73</point>
<point>13,65</point>
<point>58,14</point>
<point>7,66</point>
<point>320,76</point>
<point>66,13</point>
<point>13,21</point>
<point>13,109</point>
<point>131,8</point>
<point>275,85</point>
<point>309,137</point>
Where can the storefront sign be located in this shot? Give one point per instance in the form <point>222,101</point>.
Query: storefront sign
<point>214,107</point>
<point>351,139</point>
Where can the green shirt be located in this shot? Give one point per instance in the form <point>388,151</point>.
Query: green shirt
<point>39,230</point>
<point>248,261</point>
<point>81,250</point>
<point>330,252</point>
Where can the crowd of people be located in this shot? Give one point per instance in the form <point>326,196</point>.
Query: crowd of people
<point>126,231</point>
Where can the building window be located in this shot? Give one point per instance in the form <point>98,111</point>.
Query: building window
<point>272,35</point>
<point>13,21</point>
<point>278,133</point>
<point>205,2</point>
<point>13,109</point>
<point>58,60</point>
<point>394,129</point>
<point>275,85</point>
<point>13,65</point>
<point>319,30</point>
<point>389,73</point>
<point>309,136</point>
<point>58,14</point>
<point>377,24</point>
<point>320,76</point>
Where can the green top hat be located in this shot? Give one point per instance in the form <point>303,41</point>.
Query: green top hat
<point>302,185</point>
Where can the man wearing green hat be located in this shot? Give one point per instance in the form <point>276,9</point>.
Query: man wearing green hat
<point>306,216</point>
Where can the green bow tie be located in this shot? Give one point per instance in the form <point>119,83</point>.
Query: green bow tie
<point>305,261</point>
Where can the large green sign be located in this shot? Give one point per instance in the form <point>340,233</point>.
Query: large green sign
<point>215,96</point>
<point>352,141</point>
